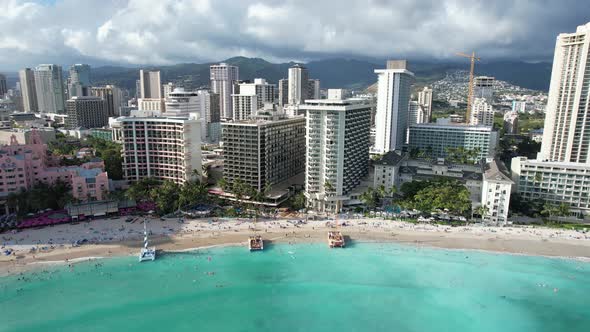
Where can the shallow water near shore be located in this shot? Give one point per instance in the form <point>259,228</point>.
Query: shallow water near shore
<point>303,287</point>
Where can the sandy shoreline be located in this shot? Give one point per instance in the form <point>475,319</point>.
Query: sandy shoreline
<point>114,237</point>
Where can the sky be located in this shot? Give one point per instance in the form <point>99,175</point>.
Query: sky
<point>159,32</point>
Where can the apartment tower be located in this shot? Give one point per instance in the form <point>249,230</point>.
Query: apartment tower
<point>28,90</point>
<point>49,85</point>
<point>393,100</point>
<point>337,150</point>
<point>223,77</point>
<point>566,136</point>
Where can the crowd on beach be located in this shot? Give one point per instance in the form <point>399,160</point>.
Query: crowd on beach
<point>121,229</point>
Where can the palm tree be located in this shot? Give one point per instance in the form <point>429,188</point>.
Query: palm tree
<point>205,173</point>
<point>563,210</point>
<point>223,183</point>
<point>482,210</point>
<point>368,197</point>
<point>549,210</point>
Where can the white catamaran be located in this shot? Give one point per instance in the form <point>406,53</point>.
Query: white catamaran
<point>146,254</point>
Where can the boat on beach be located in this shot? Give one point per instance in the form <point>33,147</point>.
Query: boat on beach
<point>336,239</point>
<point>146,253</point>
<point>255,242</point>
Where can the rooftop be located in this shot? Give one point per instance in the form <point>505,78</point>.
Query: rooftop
<point>496,171</point>
<point>391,158</point>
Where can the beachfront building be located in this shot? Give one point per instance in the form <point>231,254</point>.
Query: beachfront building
<point>482,113</point>
<point>435,139</point>
<point>393,100</point>
<point>223,77</point>
<point>566,136</point>
<point>24,165</point>
<point>263,153</point>
<point>553,182</point>
<point>161,148</point>
<point>495,194</point>
<point>337,154</point>
<point>86,112</point>
<point>395,169</point>
<point>561,173</point>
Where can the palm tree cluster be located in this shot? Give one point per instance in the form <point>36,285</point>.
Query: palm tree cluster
<point>167,195</point>
<point>40,197</point>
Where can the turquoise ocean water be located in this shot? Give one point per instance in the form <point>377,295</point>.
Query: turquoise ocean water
<point>365,287</point>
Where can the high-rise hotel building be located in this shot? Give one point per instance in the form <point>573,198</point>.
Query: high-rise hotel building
<point>337,150</point>
<point>263,152</point>
<point>393,100</point>
<point>223,77</point>
<point>566,136</point>
<point>561,173</point>
<point>49,85</point>
<point>162,148</point>
<point>28,90</point>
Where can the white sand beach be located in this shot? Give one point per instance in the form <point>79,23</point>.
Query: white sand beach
<point>115,237</point>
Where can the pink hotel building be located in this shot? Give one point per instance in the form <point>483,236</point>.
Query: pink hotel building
<point>24,165</point>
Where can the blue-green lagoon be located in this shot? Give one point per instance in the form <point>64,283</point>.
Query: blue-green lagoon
<point>305,287</point>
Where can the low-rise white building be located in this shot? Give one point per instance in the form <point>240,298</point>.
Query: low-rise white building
<point>495,194</point>
<point>394,169</point>
<point>553,182</point>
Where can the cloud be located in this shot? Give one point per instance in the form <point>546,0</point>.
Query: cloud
<point>172,31</point>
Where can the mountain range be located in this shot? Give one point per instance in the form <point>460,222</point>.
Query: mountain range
<point>333,73</point>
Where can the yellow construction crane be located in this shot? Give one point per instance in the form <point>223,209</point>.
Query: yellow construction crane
<point>473,58</point>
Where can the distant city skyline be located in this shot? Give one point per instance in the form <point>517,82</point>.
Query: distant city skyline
<point>167,32</point>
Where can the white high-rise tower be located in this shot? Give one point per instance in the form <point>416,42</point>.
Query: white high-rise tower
<point>566,136</point>
<point>393,99</point>
<point>223,77</point>
<point>298,85</point>
<point>425,100</point>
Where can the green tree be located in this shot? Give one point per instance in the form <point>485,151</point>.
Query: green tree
<point>428,196</point>
<point>166,196</point>
<point>297,201</point>
<point>141,190</point>
<point>191,193</point>
<point>482,211</point>
<point>369,198</point>
<point>549,210</point>
<point>223,184</point>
